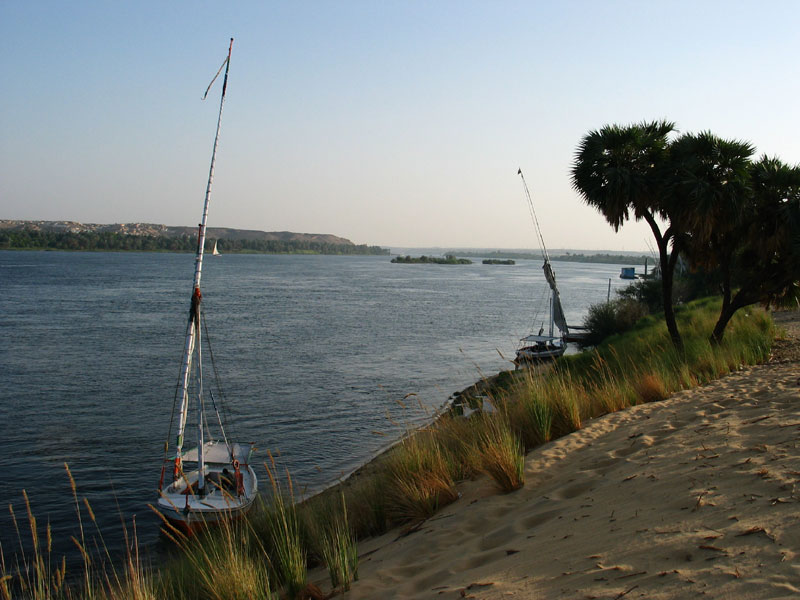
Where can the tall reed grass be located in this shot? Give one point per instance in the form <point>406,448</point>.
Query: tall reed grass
<point>340,549</point>
<point>502,454</point>
<point>224,566</point>
<point>288,550</point>
<point>420,480</point>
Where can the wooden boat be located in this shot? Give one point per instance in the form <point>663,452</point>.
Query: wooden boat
<point>543,346</point>
<point>213,480</point>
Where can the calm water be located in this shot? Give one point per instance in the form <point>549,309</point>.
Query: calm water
<point>314,353</point>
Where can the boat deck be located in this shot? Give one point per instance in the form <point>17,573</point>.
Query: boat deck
<point>181,498</point>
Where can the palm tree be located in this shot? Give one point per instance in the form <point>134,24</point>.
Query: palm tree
<point>625,172</point>
<point>712,201</point>
<point>766,262</point>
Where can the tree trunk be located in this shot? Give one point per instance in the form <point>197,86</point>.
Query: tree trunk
<point>667,278</point>
<point>740,300</point>
<point>667,263</point>
<point>719,329</point>
<point>727,312</point>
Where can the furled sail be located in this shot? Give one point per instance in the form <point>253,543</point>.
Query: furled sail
<point>558,312</point>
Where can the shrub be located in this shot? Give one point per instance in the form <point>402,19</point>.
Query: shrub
<point>644,291</point>
<point>610,318</point>
<point>600,323</point>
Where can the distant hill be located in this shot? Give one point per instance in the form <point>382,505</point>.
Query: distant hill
<point>152,229</point>
<point>70,235</point>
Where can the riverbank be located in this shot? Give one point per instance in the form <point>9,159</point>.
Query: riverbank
<point>696,494</point>
<point>448,536</point>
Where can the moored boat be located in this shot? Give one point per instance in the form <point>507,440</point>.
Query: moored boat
<point>213,480</point>
<point>543,346</point>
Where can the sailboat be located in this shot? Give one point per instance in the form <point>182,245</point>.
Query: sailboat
<point>215,252</point>
<point>213,479</point>
<point>543,346</point>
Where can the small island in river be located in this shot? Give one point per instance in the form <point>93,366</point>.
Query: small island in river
<point>495,261</point>
<point>449,259</point>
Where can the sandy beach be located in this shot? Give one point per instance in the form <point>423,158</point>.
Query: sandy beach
<point>698,495</point>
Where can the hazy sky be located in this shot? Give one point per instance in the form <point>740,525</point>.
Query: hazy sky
<point>394,123</point>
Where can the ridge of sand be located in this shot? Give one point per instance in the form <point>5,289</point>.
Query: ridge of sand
<point>698,495</point>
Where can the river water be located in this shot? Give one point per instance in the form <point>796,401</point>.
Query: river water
<point>316,354</point>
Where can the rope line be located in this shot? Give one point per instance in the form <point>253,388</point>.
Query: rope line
<point>533,217</point>
<point>218,382</point>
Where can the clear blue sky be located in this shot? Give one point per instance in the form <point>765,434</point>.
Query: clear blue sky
<point>394,123</point>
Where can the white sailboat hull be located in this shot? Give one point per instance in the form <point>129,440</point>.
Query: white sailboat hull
<point>540,352</point>
<point>188,510</point>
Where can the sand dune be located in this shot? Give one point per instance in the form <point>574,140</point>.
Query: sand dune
<point>698,495</point>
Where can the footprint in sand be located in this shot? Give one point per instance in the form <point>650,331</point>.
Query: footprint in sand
<point>627,451</point>
<point>573,491</point>
<point>497,538</point>
<point>715,408</point>
<point>479,560</point>
<point>602,466</point>
<point>424,584</point>
<point>662,435</point>
<point>533,521</point>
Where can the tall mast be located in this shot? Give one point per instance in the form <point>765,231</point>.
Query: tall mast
<point>193,326</point>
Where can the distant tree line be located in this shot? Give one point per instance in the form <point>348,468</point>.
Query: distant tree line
<point>297,247</point>
<point>612,259</point>
<point>609,259</point>
<point>31,239</point>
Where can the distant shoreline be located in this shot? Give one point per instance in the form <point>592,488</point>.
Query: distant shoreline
<point>207,252</point>
<point>150,237</point>
<point>118,242</point>
<point>599,257</point>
